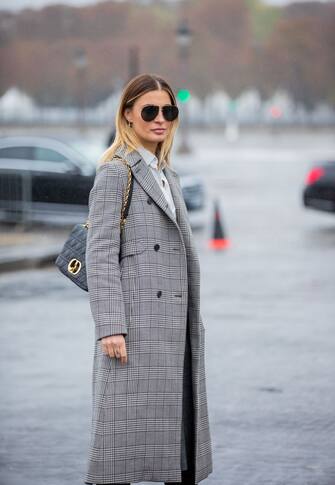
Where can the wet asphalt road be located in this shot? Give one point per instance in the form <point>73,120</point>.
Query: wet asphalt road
<point>268,305</point>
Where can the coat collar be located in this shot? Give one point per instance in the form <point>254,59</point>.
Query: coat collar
<point>146,179</point>
<point>134,157</point>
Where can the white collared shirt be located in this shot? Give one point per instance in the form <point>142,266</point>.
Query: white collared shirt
<point>152,161</point>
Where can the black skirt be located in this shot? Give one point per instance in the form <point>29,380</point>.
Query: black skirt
<point>187,435</point>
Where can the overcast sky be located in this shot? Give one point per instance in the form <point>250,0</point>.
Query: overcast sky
<point>18,4</point>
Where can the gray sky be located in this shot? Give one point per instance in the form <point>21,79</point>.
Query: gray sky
<point>18,4</point>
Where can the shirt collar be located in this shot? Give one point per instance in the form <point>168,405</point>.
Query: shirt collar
<point>148,156</point>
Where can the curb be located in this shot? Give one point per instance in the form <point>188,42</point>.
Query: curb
<point>21,263</point>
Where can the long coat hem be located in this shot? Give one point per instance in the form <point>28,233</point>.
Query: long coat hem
<point>170,476</point>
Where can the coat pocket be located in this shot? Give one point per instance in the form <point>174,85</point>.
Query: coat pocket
<point>129,272</point>
<point>131,247</point>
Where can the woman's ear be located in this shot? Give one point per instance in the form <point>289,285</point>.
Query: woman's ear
<point>127,115</point>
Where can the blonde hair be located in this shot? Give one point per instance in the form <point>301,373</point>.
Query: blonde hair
<point>125,135</point>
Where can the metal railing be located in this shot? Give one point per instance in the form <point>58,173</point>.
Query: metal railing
<point>15,196</point>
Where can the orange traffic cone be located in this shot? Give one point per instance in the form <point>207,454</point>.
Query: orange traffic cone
<point>218,241</point>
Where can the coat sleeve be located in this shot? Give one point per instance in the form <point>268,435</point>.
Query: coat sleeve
<point>102,250</point>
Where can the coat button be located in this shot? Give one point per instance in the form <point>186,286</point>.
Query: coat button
<point>149,200</point>
<point>159,293</point>
<point>156,247</point>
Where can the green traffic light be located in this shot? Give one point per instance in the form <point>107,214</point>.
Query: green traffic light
<point>183,95</point>
<point>233,105</point>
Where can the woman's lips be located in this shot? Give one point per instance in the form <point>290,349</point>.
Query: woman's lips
<point>159,130</point>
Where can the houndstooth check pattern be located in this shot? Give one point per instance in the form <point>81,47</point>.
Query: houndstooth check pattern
<point>148,296</point>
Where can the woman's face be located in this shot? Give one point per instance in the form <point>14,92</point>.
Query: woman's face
<point>150,132</point>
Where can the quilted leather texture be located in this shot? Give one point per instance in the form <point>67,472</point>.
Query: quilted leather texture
<point>74,248</point>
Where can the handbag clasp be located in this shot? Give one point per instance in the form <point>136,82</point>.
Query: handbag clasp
<point>74,266</point>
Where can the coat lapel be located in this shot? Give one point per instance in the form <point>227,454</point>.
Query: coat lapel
<point>145,178</point>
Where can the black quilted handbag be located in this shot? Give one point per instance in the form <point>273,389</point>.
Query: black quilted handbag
<point>71,259</point>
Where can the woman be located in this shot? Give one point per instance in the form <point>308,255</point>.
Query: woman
<point>150,416</point>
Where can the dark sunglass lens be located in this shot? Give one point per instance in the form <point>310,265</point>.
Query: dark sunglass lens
<point>170,113</point>
<point>150,112</point>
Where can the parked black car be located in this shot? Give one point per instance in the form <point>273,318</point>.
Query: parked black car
<point>319,190</point>
<point>44,179</point>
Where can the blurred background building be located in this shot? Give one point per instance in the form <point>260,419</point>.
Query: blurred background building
<point>252,61</point>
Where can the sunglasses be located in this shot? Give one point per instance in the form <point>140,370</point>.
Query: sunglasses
<point>149,112</point>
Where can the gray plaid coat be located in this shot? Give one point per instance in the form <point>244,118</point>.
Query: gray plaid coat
<point>148,295</point>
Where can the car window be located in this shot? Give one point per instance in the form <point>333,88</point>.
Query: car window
<point>22,153</point>
<point>48,155</point>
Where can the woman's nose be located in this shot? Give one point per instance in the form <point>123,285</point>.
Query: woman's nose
<point>160,117</point>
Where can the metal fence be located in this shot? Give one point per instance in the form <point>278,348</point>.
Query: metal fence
<point>15,196</point>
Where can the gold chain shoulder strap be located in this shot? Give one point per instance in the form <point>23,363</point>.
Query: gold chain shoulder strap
<point>126,196</point>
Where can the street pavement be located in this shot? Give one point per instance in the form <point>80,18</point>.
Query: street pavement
<point>269,312</point>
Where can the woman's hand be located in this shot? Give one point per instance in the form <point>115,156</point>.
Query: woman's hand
<point>115,346</point>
